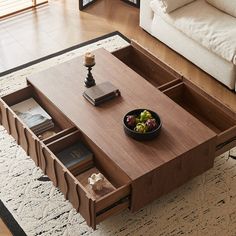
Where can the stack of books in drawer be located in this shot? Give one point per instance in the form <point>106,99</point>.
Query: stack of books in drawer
<point>33,115</point>
<point>76,158</point>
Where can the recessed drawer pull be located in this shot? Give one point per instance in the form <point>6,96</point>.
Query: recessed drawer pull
<point>17,131</point>
<point>218,147</point>
<point>92,214</point>
<point>35,151</point>
<point>54,173</point>
<point>43,161</point>
<point>8,121</point>
<point>78,197</point>
<point>0,115</point>
<point>27,141</point>
<point>113,209</point>
<point>67,184</point>
<point>123,200</point>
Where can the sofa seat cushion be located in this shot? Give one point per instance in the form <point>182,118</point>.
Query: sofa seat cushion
<point>206,25</point>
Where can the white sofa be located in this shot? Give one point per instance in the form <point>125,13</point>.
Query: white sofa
<point>200,32</point>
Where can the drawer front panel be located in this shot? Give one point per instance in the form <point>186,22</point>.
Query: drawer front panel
<point>68,184</point>
<point>24,136</point>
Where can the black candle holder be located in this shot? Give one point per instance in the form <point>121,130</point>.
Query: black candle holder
<point>89,81</point>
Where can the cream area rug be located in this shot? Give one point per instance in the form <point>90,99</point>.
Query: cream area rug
<point>205,205</point>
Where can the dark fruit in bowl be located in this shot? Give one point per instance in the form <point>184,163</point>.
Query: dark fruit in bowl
<point>142,124</point>
<point>131,121</point>
<point>151,124</point>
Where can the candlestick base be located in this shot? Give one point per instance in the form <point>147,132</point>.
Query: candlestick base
<point>89,81</point>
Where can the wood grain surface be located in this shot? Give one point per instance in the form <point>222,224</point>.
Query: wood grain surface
<point>181,132</point>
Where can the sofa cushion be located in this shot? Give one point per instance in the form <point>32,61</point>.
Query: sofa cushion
<point>216,66</point>
<point>169,5</point>
<point>206,25</point>
<point>228,6</point>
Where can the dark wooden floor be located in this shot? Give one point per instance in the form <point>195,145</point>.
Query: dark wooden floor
<point>4,231</point>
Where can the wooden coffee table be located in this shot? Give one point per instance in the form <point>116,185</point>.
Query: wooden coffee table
<point>195,129</point>
<point>184,149</point>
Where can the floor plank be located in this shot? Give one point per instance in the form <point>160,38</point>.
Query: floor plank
<point>4,231</point>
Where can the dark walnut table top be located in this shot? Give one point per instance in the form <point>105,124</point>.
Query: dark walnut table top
<point>181,132</point>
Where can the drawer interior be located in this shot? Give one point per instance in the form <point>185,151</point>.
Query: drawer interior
<point>113,179</point>
<point>61,123</point>
<point>150,68</point>
<point>208,112</point>
<point>115,194</point>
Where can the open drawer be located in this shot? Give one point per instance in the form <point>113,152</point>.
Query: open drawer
<point>148,66</point>
<point>24,136</point>
<point>208,110</point>
<point>94,206</point>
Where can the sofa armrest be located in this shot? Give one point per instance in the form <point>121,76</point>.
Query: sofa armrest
<point>146,15</point>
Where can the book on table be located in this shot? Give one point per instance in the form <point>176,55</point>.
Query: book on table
<point>101,93</point>
<point>76,157</point>
<point>33,115</point>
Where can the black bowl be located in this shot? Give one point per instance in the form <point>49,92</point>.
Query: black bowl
<point>142,136</point>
